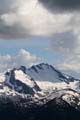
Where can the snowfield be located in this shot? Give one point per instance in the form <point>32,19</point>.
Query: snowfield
<point>40,83</point>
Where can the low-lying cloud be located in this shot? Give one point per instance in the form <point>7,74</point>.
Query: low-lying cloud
<point>24,58</point>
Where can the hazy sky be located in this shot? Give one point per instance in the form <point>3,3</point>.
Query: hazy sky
<point>34,31</point>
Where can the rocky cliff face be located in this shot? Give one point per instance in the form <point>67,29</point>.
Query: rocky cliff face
<point>22,97</point>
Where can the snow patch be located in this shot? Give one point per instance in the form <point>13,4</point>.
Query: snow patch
<point>20,75</point>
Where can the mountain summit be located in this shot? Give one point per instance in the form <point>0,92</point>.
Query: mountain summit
<point>31,80</point>
<point>46,72</point>
<point>21,82</point>
<point>22,95</point>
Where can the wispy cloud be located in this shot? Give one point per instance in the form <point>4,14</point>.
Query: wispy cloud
<point>70,65</point>
<point>67,44</point>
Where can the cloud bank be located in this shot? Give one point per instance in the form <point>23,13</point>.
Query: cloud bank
<point>23,19</point>
<point>29,18</point>
<point>57,19</point>
<point>67,45</point>
<point>22,58</point>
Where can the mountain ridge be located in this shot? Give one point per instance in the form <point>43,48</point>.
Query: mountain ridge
<point>32,79</point>
<point>22,97</point>
<point>45,66</point>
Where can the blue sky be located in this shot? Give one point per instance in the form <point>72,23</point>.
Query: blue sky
<point>36,46</point>
<point>42,29</point>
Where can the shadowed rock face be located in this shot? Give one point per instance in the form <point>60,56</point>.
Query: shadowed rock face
<point>19,85</point>
<point>56,109</point>
<point>22,101</point>
<point>47,72</point>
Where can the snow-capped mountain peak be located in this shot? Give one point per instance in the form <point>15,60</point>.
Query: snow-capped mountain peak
<point>46,72</point>
<point>37,79</point>
<point>18,80</point>
<point>21,89</point>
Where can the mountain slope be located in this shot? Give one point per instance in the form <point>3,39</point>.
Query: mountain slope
<point>18,81</point>
<point>49,78</point>
<point>21,98</point>
<point>52,107</point>
<point>38,77</point>
<point>46,72</point>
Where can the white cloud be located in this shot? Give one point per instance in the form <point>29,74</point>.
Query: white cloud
<point>22,58</point>
<point>67,45</point>
<point>71,65</point>
<point>9,19</point>
<point>26,18</point>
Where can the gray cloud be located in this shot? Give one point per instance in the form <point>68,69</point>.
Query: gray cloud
<point>7,6</point>
<point>28,18</point>
<point>15,31</point>
<point>61,5</point>
<point>70,65</point>
<point>65,43</point>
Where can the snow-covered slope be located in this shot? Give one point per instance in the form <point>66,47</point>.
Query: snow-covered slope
<point>17,81</point>
<point>69,95</point>
<point>38,85</point>
<point>49,86</point>
<point>46,72</point>
<point>41,89</point>
<point>36,80</point>
<point>49,78</point>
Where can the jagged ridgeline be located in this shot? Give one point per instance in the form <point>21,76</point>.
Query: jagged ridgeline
<point>22,96</point>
